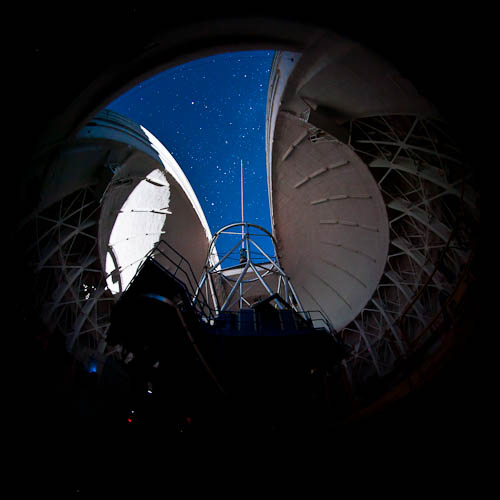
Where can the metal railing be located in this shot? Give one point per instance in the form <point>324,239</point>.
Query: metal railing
<point>183,274</point>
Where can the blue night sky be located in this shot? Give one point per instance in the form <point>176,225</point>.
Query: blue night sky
<point>210,114</point>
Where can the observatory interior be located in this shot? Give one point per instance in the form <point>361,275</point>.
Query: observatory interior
<point>135,318</point>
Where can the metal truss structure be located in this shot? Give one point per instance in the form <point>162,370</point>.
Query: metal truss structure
<point>71,285</point>
<point>246,273</point>
<point>431,205</point>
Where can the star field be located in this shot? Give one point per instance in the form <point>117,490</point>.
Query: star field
<point>210,114</point>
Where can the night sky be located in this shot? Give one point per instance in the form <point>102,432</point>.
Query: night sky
<point>210,114</point>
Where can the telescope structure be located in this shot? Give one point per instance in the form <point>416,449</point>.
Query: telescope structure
<point>255,275</point>
<point>374,213</point>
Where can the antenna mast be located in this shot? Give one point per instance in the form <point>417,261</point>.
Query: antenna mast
<point>242,216</point>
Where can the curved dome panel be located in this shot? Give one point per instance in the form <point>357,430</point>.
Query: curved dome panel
<point>148,199</point>
<point>330,222</point>
<point>138,223</point>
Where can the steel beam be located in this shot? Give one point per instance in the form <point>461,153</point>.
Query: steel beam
<point>369,347</point>
<point>421,216</point>
<point>430,174</point>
